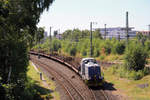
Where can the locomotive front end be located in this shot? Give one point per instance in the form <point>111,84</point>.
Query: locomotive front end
<point>94,77</point>
<point>91,72</point>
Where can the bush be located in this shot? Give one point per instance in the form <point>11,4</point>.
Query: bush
<point>122,72</point>
<point>96,52</point>
<point>147,45</point>
<point>118,48</point>
<point>73,50</point>
<point>83,52</point>
<point>136,75</point>
<point>102,57</point>
<point>135,57</point>
<point>107,47</point>
<point>56,45</point>
<point>146,71</point>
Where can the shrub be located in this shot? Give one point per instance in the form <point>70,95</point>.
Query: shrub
<point>56,45</point>
<point>83,52</point>
<point>135,57</point>
<point>147,45</point>
<point>102,57</point>
<point>118,48</point>
<point>122,72</point>
<point>66,46</point>
<point>107,47</point>
<point>96,52</point>
<point>146,71</point>
<point>73,50</point>
<point>136,75</point>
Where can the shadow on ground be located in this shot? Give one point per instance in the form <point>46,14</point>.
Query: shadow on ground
<point>40,93</point>
<point>106,86</point>
<point>42,90</point>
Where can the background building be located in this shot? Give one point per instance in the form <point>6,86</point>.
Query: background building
<point>117,32</point>
<point>146,33</point>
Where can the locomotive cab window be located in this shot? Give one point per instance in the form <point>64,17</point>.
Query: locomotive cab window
<point>90,60</point>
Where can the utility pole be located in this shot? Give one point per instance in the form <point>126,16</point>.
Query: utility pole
<point>119,36</point>
<point>50,32</point>
<point>91,49</point>
<point>127,28</point>
<point>105,31</point>
<point>149,30</point>
<point>50,37</point>
<point>91,39</point>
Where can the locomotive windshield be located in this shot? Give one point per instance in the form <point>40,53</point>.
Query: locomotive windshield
<point>90,60</point>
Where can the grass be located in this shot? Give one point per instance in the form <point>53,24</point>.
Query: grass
<point>45,90</point>
<point>129,87</point>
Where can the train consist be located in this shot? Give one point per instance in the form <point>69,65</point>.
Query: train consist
<point>89,69</point>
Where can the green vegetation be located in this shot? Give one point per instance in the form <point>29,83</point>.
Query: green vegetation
<point>18,31</point>
<point>134,56</point>
<point>122,72</point>
<point>128,88</point>
<point>37,88</point>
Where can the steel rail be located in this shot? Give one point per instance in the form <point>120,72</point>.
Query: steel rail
<point>104,94</point>
<point>66,64</point>
<point>52,71</point>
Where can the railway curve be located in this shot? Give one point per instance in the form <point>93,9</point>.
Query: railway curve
<point>82,91</point>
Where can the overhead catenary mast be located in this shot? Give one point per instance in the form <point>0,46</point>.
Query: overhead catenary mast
<point>50,37</point>
<point>91,49</point>
<point>91,39</point>
<point>127,28</point>
<point>149,30</point>
<point>105,31</point>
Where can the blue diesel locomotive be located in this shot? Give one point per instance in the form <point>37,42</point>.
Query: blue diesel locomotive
<point>90,72</point>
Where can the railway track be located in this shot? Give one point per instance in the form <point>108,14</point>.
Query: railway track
<point>103,95</point>
<point>74,91</point>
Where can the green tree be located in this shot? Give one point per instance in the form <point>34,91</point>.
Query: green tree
<point>67,34</point>
<point>85,34</point>
<point>76,35</point>
<point>39,34</point>
<point>18,20</point>
<point>97,34</point>
<point>118,47</point>
<point>56,45</point>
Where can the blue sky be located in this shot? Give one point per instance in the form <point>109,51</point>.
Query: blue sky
<point>70,14</point>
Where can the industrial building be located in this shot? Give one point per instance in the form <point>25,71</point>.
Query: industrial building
<point>117,32</point>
